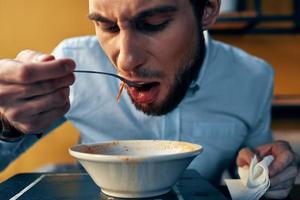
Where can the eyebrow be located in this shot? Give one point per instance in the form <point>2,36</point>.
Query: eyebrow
<point>156,11</point>
<point>144,14</point>
<point>98,17</point>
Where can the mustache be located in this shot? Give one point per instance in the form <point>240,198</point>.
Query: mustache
<point>145,73</point>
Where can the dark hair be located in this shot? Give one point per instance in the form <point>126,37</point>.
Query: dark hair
<point>198,7</point>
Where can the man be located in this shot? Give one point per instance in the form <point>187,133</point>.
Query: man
<point>194,88</point>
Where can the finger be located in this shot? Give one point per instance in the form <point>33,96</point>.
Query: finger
<point>264,150</point>
<point>29,56</point>
<point>26,109</point>
<point>244,157</point>
<point>280,162</point>
<point>287,174</point>
<point>7,66</point>
<point>278,194</point>
<point>45,87</point>
<point>42,121</point>
<point>15,72</point>
<point>282,153</point>
<point>280,146</point>
<point>10,93</point>
<point>283,185</point>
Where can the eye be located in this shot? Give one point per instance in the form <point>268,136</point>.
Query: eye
<point>151,25</point>
<point>108,26</point>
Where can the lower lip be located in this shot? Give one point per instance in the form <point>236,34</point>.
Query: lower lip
<point>145,97</point>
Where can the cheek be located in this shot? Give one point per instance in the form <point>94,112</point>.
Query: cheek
<point>176,50</point>
<point>107,45</point>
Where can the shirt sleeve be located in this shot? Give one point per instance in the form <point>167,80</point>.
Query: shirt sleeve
<point>10,151</point>
<point>261,133</point>
<point>58,52</point>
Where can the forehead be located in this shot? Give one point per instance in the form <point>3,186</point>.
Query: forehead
<point>128,8</point>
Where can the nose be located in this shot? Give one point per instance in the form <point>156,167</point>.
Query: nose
<point>131,54</point>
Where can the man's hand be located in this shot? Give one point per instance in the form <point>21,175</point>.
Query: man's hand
<point>34,90</point>
<point>282,171</point>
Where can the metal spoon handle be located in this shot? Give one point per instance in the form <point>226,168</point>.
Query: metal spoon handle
<point>98,72</point>
<point>129,83</point>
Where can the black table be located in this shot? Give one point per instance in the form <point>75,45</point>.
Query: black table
<point>75,186</point>
<point>79,186</point>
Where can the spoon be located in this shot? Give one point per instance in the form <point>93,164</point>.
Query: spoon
<point>128,82</point>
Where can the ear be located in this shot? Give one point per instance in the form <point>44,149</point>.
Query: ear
<point>210,14</point>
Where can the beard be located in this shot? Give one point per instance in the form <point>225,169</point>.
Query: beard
<point>183,78</point>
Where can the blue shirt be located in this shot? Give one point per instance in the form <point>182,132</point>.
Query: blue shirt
<point>225,109</point>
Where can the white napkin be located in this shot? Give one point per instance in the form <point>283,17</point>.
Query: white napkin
<point>254,180</point>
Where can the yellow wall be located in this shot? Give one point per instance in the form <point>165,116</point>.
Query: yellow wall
<point>40,25</point>
<point>281,51</point>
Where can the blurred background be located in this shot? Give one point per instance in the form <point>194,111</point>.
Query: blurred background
<point>266,28</point>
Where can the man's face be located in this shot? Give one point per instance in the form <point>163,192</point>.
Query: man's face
<point>150,41</point>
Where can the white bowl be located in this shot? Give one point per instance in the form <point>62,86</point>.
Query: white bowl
<point>135,168</point>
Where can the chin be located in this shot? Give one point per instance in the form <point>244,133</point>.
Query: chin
<point>156,108</point>
<point>149,109</point>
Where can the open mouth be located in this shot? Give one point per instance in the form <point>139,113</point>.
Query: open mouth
<point>145,93</point>
<point>146,86</point>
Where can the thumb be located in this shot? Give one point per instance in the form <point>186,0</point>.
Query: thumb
<point>29,56</point>
<point>44,58</point>
<point>244,157</point>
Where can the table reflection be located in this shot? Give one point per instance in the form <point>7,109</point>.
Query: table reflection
<point>168,196</point>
